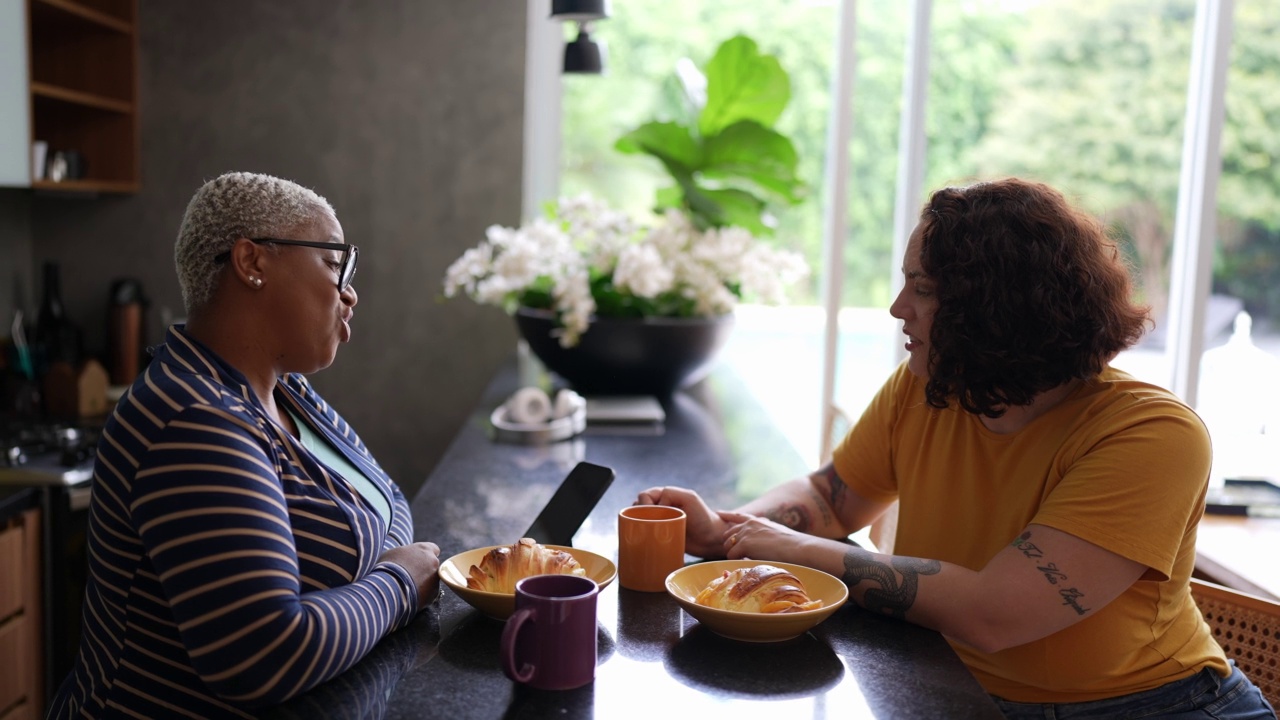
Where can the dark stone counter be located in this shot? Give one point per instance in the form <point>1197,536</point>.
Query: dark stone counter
<point>652,657</point>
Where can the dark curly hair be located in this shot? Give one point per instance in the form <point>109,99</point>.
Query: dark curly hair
<point>1031,292</point>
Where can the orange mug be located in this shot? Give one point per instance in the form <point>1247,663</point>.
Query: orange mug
<point>650,546</point>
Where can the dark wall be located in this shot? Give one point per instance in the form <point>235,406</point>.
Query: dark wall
<point>406,114</point>
<point>15,256</point>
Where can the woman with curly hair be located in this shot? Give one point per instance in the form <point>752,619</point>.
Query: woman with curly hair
<point>1048,501</point>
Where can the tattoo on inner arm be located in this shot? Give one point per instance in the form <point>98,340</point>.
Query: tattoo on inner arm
<point>1070,596</point>
<point>836,489</point>
<point>796,517</point>
<point>1028,548</point>
<point>1052,573</point>
<point>892,598</point>
<point>828,503</point>
<point>819,502</point>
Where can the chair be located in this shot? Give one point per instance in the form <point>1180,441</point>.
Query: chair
<point>1248,629</point>
<point>881,533</point>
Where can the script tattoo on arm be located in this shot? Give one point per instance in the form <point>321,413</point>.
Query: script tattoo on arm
<point>893,598</point>
<point>1052,573</point>
<point>1070,596</point>
<point>1028,548</point>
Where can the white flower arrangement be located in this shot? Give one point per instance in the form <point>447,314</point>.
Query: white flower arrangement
<point>586,259</point>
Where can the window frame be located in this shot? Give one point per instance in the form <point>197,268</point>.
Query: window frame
<point>1200,169</point>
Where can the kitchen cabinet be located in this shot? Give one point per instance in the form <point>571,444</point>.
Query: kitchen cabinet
<point>69,79</point>
<point>21,629</point>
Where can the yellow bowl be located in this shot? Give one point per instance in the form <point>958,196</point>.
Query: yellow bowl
<point>685,584</point>
<point>454,571</point>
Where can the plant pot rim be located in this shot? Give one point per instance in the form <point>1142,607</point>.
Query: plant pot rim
<point>550,316</point>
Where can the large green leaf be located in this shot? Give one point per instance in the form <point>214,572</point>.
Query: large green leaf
<point>670,142</point>
<point>752,152</point>
<point>729,168</point>
<point>742,84</point>
<point>722,207</point>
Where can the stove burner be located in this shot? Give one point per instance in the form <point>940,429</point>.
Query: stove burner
<point>67,436</point>
<point>52,443</point>
<point>13,455</point>
<point>72,456</point>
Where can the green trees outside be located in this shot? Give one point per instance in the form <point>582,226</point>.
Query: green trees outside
<point>1087,96</point>
<point>1096,106</point>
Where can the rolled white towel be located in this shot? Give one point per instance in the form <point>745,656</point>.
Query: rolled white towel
<point>567,403</point>
<point>529,406</point>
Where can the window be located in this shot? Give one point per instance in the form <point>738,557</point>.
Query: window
<point>1089,97</point>
<point>1239,390</point>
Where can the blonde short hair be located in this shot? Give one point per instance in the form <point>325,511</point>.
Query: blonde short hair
<point>231,206</point>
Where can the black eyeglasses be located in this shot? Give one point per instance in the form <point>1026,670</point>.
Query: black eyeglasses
<point>346,271</point>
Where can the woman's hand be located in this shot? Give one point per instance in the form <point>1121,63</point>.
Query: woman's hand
<point>703,528</point>
<point>422,561</point>
<point>759,538</point>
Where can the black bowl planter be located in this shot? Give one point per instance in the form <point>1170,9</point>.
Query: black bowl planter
<point>628,356</point>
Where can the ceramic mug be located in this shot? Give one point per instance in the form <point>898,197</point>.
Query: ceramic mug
<point>549,642</point>
<point>650,546</point>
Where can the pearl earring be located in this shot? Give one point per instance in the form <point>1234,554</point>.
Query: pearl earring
<point>257,282</point>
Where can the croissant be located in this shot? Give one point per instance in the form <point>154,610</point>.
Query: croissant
<point>762,589</point>
<point>501,567</point>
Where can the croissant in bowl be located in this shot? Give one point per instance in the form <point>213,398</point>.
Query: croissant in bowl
<point>760,589</point>
<point>501,567</point>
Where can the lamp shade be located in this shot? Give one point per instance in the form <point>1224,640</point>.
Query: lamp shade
<point>584,55</point>
<point>579,10</point>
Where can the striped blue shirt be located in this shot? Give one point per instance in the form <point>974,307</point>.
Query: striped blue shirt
<point>228,569</point>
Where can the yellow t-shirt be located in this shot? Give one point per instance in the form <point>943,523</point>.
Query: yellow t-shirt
<point>1119,463</point>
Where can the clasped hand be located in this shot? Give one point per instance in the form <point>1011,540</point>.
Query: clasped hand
<point>724,533</point>
<point>422,561</point>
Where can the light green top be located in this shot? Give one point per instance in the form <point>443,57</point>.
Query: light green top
<point>336,461</point>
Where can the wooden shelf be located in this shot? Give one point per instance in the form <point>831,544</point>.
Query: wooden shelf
<point>81,12</point>
<point>75,97</point>
<point>86,186</point>
<point>83,91</point>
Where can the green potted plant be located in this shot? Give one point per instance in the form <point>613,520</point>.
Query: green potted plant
<point>616,304</point>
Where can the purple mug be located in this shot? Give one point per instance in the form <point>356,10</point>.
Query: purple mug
<point>549,642</point>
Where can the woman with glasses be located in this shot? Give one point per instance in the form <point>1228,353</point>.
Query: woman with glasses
<point>1048,502</point>
<point>244,544</point>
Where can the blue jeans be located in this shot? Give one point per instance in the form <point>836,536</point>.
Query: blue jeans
<point>1203,695</point>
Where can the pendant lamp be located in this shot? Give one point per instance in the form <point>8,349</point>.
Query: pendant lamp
<point>583,55</point>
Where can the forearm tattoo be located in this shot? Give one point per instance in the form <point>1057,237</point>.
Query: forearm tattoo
<point>893,598</point>
<point>1070,595</point>
<point>837,491</point>
<point>797,517</point>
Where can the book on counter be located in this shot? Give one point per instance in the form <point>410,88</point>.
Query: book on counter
<point>625,414</point>
<point>1252,497</point>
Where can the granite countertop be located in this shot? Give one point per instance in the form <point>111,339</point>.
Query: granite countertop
<point>653,657</point>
